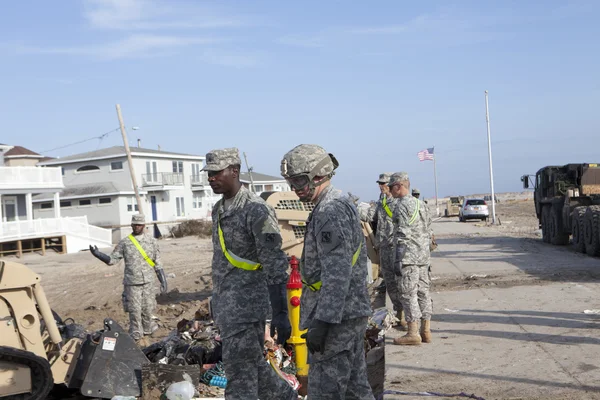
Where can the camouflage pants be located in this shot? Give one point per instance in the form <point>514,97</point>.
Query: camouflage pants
<point>249,376</point>
<point>392,283</point>
<point>140,302</point>
<point>340,372</point>
<point>414,288</point>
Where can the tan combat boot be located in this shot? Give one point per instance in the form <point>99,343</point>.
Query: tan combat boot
<point>412,337</point>
<point>402,325</point>
<point>425,331</point>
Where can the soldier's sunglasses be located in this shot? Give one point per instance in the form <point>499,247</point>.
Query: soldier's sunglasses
<point>298,182</point>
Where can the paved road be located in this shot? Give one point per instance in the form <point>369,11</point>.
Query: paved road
<point>509,321</point>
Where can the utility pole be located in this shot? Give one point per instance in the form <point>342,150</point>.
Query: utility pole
<point>487,119</point>
<point>249,173</point>
<point>129,160</point>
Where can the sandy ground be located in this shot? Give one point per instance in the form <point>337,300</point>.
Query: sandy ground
<point>472,257</point>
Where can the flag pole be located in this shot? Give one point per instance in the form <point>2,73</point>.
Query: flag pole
<point>487,120</point>
<point>437,208</point>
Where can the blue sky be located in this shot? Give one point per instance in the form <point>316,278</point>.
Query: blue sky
<point>372,82</point>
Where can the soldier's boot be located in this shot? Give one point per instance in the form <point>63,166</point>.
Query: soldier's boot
<point>402,325</point>
<point>425,331</point>
<point>412,337</point>
<point>153,328</point>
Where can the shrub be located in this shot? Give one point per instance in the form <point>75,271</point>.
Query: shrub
<point>192,227</point>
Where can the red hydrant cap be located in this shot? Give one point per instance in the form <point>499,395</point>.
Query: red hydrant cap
<point>295,301</point>
<point>295,280</point>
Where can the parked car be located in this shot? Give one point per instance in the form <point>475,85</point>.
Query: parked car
<point>473,209</point>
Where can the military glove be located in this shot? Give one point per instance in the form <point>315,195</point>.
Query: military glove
<point>160,273</point>
<point>100,255</point>
<point>279,319</point>
<point>316,336</point>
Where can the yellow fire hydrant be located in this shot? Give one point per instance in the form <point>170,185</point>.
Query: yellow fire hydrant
<point>294,291</point>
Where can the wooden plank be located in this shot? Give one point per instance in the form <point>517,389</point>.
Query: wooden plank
<point>43,246</point>
<point>19,249</point>
<point>63,240</point>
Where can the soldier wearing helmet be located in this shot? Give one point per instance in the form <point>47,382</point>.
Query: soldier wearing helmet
<point>335,303</point>
<point>416,193</point>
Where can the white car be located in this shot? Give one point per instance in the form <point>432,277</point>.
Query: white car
<point>473,209</point>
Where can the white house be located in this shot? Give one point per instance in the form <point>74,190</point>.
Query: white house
<point>171,185</point>
<point>19,231</point>
<point>265,183</point>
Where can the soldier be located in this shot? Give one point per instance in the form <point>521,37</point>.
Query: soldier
<point>249,270</point>
<point>335,302</point>
<point>412,259</point>
<point>140,252</point>
<point>416,193</point>
<point>384,238</point>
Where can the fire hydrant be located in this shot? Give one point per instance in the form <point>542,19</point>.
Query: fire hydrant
<point>294,291</point>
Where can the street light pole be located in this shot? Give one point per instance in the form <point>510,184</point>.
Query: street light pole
<point>487,119</point>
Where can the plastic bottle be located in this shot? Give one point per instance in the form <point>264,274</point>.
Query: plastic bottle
<point>183,390</point>
<point>219,381</point>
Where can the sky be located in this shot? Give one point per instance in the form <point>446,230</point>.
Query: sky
<point>373,83</point>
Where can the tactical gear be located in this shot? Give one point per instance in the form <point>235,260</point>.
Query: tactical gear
<point>316,336</point>
<point>317,285</point>
<point>303,163</point>
<point>141,250</point>
<point>105,258</point>
<point>384,178</point>
<point>412,337</point>
<point>218,160</point>
<point>398,177</point>
<point>280,321</point>
<point>160,274</point>
<point>234,260</point>
<point>425,331</point>
<point>138,219</point>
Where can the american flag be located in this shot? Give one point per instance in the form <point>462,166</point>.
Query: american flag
<point>426,154</point>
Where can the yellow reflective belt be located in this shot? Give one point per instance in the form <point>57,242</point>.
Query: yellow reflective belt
<point>386,207</point>
<point>317,285</point>
<point>142,252</point>
<point>415,213</point>
<point>236,261</point>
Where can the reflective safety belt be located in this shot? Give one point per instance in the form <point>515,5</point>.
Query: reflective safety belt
<point>415,213</point>
<point>317,285</point>
<point>236,261</point>
<point>386,207</point>
<point>141,250</point>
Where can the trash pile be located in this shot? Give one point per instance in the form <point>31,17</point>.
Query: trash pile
<point>379,323</point>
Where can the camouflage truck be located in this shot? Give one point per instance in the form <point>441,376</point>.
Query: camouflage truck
<point>453,206</point>
<point>567,205</point>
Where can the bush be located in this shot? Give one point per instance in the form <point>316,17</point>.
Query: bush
<point>192,227</point>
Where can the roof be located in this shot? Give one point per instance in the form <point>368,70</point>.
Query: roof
<point>257,177</point>
<point>113,152</point>
<point>87,189</point>
<point>21,151</point>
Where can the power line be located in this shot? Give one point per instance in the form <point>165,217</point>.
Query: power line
<point>82,141</point>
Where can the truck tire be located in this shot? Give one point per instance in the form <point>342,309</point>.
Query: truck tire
<point>546,234</point>
<point>559,236</point>
<point>592,231</point>
<point>577,229</point>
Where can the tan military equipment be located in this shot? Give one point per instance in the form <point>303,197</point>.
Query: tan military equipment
<point>453,206</point>
<point>34,355</point>
<point>292,215</point>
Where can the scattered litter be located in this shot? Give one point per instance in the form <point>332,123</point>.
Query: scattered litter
<point>430,394</point>
<point>183,390</point>
<point>171,275</point>
<point>595,311</point>
<point>449,310</point>
<point>475,277</point>
<point>123,398</point>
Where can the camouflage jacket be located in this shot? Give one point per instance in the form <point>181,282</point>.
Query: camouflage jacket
<point>137,270</point>
<point>250,231</point>
<point>384,235</point>
<point>333,235</point>
<point>412,230</point>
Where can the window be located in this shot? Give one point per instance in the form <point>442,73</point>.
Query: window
<point>476,202</point>
<point>45,206</point>
<point>85,202</point>
<point>62,170</point>
<point>132,204</point>
<point>104,200</point>
<point>258,188</point>
<point>151,171</point>
<point>196,167</point>
<point>86,168</point>
<point>180,206</point>
<point>116,165</point>
<point>197,201</point>
<point>178,167</point>
<point>269,188</point>
<point>65,204</point>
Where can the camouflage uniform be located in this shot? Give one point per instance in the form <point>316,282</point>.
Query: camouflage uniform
<point>240,300</point>
<point>384,242</point>
<point>139,295</point>
<point>333,235</point>
<point>412,239</point>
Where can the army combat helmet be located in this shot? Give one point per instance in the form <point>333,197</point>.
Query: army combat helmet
<point>303,163</point>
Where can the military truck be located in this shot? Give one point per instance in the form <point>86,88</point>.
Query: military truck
<point>453,206</point>
<point>567,205</point>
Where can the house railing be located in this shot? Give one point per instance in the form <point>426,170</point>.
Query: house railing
<point>162,179</point>
<point>199,180</point>
<point>76,226</point>
<point>30,178</point>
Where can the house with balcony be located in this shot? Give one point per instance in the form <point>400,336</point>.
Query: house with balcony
<point>20,230</point>
<point>264,183</point>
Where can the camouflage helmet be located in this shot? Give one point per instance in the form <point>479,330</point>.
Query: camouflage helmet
<point>416,191</point>
<point>308,159</point>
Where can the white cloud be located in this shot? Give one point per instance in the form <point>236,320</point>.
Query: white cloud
<point>133,46</point>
